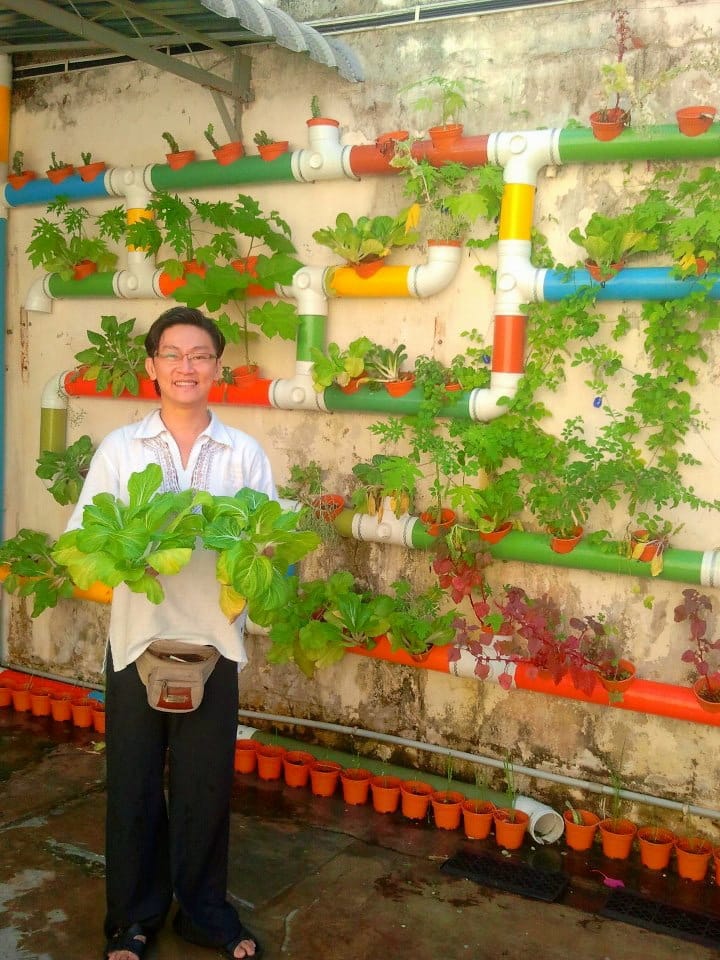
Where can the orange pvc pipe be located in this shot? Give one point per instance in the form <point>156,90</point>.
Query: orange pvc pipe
<point>516,211</point>
<point>436,659</point>
<point>254,394</point>
<point>509,344</point>
<point>386,282</point>
<point>372,159</point>
<point>98,592</point>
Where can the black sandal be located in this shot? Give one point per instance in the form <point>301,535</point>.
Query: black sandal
<point>128,939</point>
<point>243,934</point>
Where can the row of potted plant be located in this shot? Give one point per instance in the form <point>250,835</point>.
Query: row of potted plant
<point>30,695</point>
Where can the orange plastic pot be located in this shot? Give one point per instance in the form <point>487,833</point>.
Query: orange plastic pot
<point>245,756</point>
<point>398,388</point>
<point>98,716</point>
<point>355,784</point>
<point>600,275</point>
<point>18,180</point>
<point>40,703</point>
<point>692,121</point>
<point>447,808</point>
<point>60,173</point>
<point>656,846</point>
<point>385,794</point>
<point>229,152</point>
<point>353,384</point>
<point>496,535</point>
<point>368,268</point>
<point>580,836</point>
<point>477,818</point>
<point>701,688</point>
<point>176,161</point>
<point>269,761</point>
<point>324,776</point>
<point>84,269</point>
<point>608,124</point>
<point>82,712</point>
<point>21,699</point>
<point>89,171</point>
<point>415,799</point>
<point>5,694</point>
<point>445,136</point>
<point>649,551</point>
<point>622,682</point>
<point>617,837</point>
<point>716,864</point>
<point>296,767</point>
<point>328,506</point>
<point>510,827</point>
<point>61,708</point>
<point>692,857</point>
<point>271,151</point>
<point>436,527</point>
<point>566,544</point>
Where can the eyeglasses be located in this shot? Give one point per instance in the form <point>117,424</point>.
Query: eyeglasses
<point>195,358</point>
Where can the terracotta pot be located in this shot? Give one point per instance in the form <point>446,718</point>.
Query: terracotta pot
<point>415,799</point>
<point>21,699</point>
<point>328,506</point>
<point>40,703</point>
<point>580,836</point>
<point>692,121</point>
<point>617,837</point>
<point>566,544</point>
<point>89,171</point>
<point>601,275</point>
<point>656,846</point>
<point>398,388</point>
<point>608,124</point>
<point>385,793</point>
<point>510,827</point>
<point>701,687</point>
<point>622,682</point>
<point>229,153</point>
<point>271,151</point>
<point>324,776</point>
<point>269,761</point>
<point>692,857</point>
<point>98,716</point>
<point>61,708</point>
<point>477,818</point>
<point>18,180</point>
<point>447,809</point>
<point>245,756</point>
<point>296,767</point>
<point>82,712</point>
<point>176,161</point>
<point>496,535</point>
<point>60,174</point>
<point>84,269</point>
<point>355,783</point>
<point>436,527</point>
<point>446,135</point>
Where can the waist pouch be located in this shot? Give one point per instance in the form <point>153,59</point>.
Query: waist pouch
<point>175,673</point>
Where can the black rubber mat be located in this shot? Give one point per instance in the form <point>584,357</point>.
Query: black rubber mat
<point>662,918</point>
<point>508,875</point>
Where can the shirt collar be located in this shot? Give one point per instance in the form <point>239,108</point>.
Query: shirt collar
<point>153,426</point>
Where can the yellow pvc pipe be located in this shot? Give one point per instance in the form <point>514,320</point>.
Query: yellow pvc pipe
<point>516,212</point>
<point>4,124</point>
<point>135,215</point>
<point>387,282</point>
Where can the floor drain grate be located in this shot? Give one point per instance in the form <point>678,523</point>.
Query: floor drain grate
<point>662,918</point>
<point>506,875</point>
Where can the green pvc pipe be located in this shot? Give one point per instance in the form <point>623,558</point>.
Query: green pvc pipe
<point>53,429</point>
<point>420,538</point>
<point>343,523</point>
<point>311,333</point>
<point>210,173</point>
<point>682,566</point>
<point>662,142</point>
<point>96,285</point>
<point>379,401</point>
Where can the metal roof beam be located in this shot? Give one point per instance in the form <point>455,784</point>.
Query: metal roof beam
<point>47,13</point>
<point>186,33</point>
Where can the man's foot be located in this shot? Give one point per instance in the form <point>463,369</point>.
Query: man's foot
<point>127,944</point>
<point>244,946</point>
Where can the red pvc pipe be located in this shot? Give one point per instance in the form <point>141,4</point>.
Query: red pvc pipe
<point>371,159</point>
<point>436,659</point>
<point>256,393</point>
<point>509,344</point>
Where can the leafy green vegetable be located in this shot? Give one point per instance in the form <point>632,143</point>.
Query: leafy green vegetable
<point>33,570</point>
<point>66,469</point>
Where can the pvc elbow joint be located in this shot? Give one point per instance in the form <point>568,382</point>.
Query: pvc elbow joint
<point>391,529</point>
<point>308,291</point>
<point>430,278</point>
<point>326,158</point>
<point>38,297</point>
<point>296,393</point>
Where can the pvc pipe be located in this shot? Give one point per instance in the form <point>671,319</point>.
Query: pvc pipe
<point>41,190</point>
<point>661,142</point>
<point>423,280</point>
<point>631,283</point>
<point>389,529</point>
<point>308,290</point>
<point>545,824</point>
<point>97,592</point>
<point>325,159</point>
<point>587,785</point>
<point>298,392</point>
<point>53,414</point>
<point>210,173</point>
<point>523,153</point>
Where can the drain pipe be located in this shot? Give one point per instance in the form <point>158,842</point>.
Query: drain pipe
<point>586,785</point>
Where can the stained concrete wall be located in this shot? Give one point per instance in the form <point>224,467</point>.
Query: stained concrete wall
<point>540,68</point>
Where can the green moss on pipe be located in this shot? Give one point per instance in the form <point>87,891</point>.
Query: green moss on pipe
<point>53,430</point>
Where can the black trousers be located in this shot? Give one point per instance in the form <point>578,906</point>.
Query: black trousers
<point>155,849</point>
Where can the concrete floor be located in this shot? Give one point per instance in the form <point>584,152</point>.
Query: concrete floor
<point>312,877</point>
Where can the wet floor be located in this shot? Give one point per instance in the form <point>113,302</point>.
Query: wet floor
<point>313,877</point>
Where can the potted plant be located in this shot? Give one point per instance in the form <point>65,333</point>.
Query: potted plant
<point>89,168</point>
<point>316,119</point>
<point>656,846</point>
<point>580,827</point>
<point>268,147</point>
<point>58,170</point>
<point>18,175</point>
<point>66,470</point>
<point>386,481</point>
<point>32,570</point>
<point>649,540</point>
<point>228,152</point>
<point>415,622</point>
<point>345,367</point>
<point>489,510</point>
<point>306,486</point>
<point>609,241</point>
<point>702,652</point>
<point>385,365</point>
<point>449,97</point>
<point>693,121</point>
<point>116,357</point>
<point>616,832</point>
<point>63,245</point>
<point>510,823</point>
<point>177,158</point>
<point>615,81</point>
<point>364,244</point>
<point>693,234</point>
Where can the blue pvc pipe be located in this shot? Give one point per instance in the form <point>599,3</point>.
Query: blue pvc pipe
<point>43,190</point>
<point>631,283</point>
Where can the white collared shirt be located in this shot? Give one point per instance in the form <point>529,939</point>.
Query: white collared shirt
<point>222,461</point>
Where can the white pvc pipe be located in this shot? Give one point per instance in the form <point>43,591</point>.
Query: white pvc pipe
<point>484,404</point>
<point>325,159</point>
<point>307,288</point>
<point>389,529</point>
<point>427,279</point>
<point>523,153</point>
<point>298,392</point>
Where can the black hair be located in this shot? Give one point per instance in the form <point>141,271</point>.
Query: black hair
<point>189,317</point>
